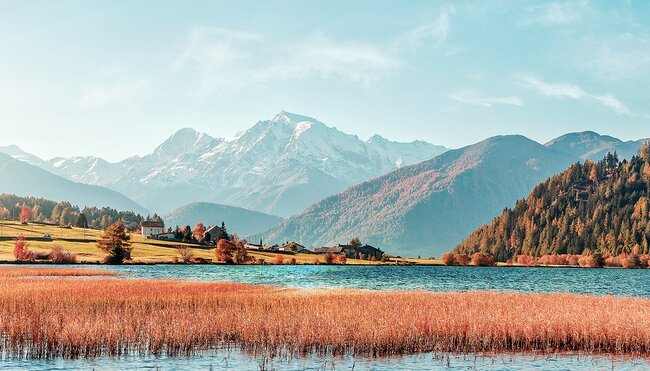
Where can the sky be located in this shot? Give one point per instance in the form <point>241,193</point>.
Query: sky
<point>115,78</point>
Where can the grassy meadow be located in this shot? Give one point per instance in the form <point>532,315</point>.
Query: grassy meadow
<point>98,316</point>
<point>144,251</point>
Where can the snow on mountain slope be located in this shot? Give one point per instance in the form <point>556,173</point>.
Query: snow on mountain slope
<point>278,166</point>
<point>21,155</point>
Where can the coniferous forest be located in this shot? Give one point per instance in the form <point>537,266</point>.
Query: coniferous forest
<point>595,208</point>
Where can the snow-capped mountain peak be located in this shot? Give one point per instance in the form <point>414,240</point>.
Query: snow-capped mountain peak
<point>278,166</point>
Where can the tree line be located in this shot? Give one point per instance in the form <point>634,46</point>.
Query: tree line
<point>599,209</point>
<point>64,213</point>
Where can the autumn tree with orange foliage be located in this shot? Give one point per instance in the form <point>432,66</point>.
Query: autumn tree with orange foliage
<point>25,214</point>
<point>448,259</point>
<point>342,258</point>
<point>199,232</point>
<point>21,253</point>
<point>224,251</point>
<point>329,258</point>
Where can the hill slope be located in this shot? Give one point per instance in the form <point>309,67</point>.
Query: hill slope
<point>599,207</point>
<point>21,178</point>
<point>243,222</point>
<point>589,145</point>
<point>428,207</point>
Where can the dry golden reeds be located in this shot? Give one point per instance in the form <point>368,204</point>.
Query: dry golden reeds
<point>98,316</point>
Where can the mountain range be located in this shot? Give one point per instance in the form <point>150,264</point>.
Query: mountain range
<point>408,198</point>
<point>21,178</point>
<point>278,166</point>
<point>429,207</point>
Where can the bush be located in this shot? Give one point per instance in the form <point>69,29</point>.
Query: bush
<point>587,261</point>
<point>186,254</point>
<point>315,261</point>
<point>278,260</point>
<point>342,259</point>
<point>57,255</point>
<point>329,258</point>
<point>293,261</point>
<point>461,259</point>
<point>482,260</point>
<point>631,261</point>
<point>448,259</point>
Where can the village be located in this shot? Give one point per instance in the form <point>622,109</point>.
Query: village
<point>207,237</point>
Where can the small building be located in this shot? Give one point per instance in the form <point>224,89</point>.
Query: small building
<point>370,252</point>
<point>212,233</point>
<point>336,250</point>
<point>366,251</point>
<point>165,236</point>
<point>150,228</point>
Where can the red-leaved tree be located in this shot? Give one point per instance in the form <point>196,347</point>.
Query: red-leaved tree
<point>224,251</point>
<point>21,253</point>
<point>25,214</point>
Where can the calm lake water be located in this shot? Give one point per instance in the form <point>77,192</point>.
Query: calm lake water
<point>623,282</point>
<point>588,281</point>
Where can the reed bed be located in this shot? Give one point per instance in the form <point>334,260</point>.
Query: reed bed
<point>52,272</point>
<point>107,317</point>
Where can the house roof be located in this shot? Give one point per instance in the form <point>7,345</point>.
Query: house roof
<point>325,250</point>
<point>149,223</point>
<point>213,229</point>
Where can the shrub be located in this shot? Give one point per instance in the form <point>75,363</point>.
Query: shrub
<point>57,255</point>
<point>315,261</point>
<point>631,261</point>
<point>461,259</point>
<point>587,261</point>
<point>21,253</point>
<point>342,259</point>
<point>573,260</point>
<point>293,261</point>
<point>186,254</point>
<point>482,260</point>
<point>278,260</point>
<point>329,258</point>
<point>448,259</point>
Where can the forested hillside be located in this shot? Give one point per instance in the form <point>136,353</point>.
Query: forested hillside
<point>595,208</point>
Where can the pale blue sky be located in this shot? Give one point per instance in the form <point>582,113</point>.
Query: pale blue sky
<point>115,78</point>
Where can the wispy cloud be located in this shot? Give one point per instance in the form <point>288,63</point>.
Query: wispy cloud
<point>432,34</point>
<point>556,13</point>
<point>124,93</point>
<point>570,91</point>
<point>229,60</point>
<point>474,98</point>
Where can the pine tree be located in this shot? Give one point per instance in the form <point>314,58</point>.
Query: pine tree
<point>115,242</point>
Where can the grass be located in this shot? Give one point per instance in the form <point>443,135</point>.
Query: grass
<point>144,251</point>
<point>96,316</point>
<point>52,272</point>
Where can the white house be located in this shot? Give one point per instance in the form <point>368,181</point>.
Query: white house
<point>150,228</point>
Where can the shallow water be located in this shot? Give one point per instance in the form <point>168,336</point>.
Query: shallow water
<point>234,360</point>
<point>623,282</point>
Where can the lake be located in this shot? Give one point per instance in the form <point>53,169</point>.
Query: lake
<point>581,281</point>
<point>622,282</point>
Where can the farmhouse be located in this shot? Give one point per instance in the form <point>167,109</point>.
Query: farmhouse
<point>151,228</point>
<point>365,251</point>
<point>212,233</point>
